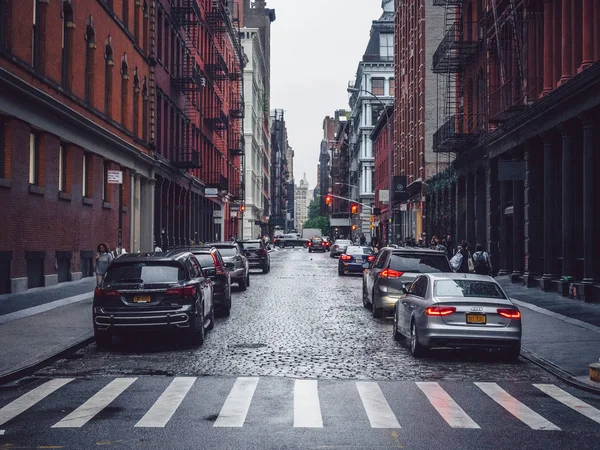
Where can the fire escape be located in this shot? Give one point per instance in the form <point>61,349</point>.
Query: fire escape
<point>512,30</point>
<point>454,53</point>
<point>189,80</point>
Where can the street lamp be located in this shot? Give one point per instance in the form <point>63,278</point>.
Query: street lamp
<point>353,90</point>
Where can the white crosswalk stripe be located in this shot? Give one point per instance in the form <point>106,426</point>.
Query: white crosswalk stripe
<point>307,408</point>
<point>95,404</point>
<point>516,408</point>
<point>569,400</point>
<point>234,411</point>
<point>376,406</point>
<point>166,405</point>
<point>446,406</point>
<point>26,401</point>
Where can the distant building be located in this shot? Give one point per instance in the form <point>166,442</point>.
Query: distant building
<point>301,203</point>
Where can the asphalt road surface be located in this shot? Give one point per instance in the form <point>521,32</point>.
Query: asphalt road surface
<point>299,364</point>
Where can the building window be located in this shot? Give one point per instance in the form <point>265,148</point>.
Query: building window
<point>105,182</point>
<point>89,64</point>
<point>136,103</point>
<point>146,16</point>
<point>159,108</point>
<point>2,149</point>
<point>386,46</point>
<point>378,86</point>
<point>145,111</point>
<point>35,37</point>
<point>85,181</point>
<point>62,168</point>
<point>392,87</point>
<point>67,44</point>
<point>126,13</point>
<point>124,91</point>
<point>2,26</point>
<point>34,159</point>
<point>109,64</point>
<point>159,43</point>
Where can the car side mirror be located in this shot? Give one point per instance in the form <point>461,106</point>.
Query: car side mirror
<point>404,290</point>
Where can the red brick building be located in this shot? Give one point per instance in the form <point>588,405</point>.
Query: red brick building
<point>525,85</point>
<point>381,153</point>
<point>74,99</point>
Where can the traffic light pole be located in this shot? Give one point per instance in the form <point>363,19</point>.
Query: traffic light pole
<point>349,199</point>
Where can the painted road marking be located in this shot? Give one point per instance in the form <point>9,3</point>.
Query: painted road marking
<point>516,408</point>
<point>445,406</point>
<point>376,406</point>
<point>163,409</point>
<point>26,401</point>
<point>236,406</point>
<point>307,408</point>
<point>95,404</point>
<point>572,402</point>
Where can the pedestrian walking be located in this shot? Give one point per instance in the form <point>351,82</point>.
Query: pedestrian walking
<point>482,262</point>
<point>466,265</point>
<point>103,259</point>
<point>363,240</point>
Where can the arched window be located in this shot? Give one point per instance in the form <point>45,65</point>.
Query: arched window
<point>136,103</point>
<point>109,64</point>
<point>67,45</point>
<point>124,90</point>
<point>90,48</point>
<point>144,110</point>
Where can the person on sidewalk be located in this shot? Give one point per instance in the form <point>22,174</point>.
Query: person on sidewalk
<point>467,261</point>
<point>481,260</point>
<point>103,259</point>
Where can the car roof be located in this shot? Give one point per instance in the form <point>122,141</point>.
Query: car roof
<point>168,256</point>
<point>258,241</point>
<point>415,250</point>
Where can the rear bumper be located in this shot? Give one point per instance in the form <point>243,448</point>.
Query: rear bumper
<point>114,322</point>
<point>387,301</point>
<point>440,335</point>
<point>257,262</point>
<point>353,268</point>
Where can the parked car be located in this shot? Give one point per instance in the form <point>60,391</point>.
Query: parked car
<point>235,261</point>
<point>393,269</point>
<point>460,311</point>
<point>213,267</point>
<point>316,244</point>
<point>156,291</point>
<point>339,247</point>
<point>257,254</point>
<point>355,260</point>
<point>290,240</point>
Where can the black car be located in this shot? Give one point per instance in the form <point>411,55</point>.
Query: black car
<point>153,291</point>
<point>317,244</point>
<point>355,259</point>
<point>289,240</point>
<point>213,267</point>
<point>257,254</point>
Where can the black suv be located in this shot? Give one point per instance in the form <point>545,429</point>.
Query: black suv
<point>153,291</point>
<point>257,254</point>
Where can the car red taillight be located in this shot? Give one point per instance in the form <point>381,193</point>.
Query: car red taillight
<point>310,244</point>
<point>187,291</point>
<point>106,293</point>
<point>510,313</point>
<point>345,257</point>
<point>440,310</point>
<point>371,258</point>
<point>391,273</point>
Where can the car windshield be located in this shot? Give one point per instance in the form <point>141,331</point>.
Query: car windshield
<point>420,263</point>
<point>467,288</point>
<point>205,259</point>
<point>227,251</point>
<point>355,250</point>
<point>251,245</point>
<point>145,273</point>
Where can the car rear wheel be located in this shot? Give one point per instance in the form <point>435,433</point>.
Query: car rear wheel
<point>310,250</point>
<point>211,318</point>
<point>266,268</point>
<point>365,296</point>
<point>198,335</point>
<point>340,271</point>
<point>416,349</point>
<point>103,340</point>
<point>377,312</point>
<point>248,279</point>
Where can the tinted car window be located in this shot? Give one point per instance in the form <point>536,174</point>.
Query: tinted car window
<point>419,287</point>
<point>251,245</point>
<point>145,273</point>
<point>467,288</point>
<point>420,263</point>
<point>227,251</point>
<point>205,260</point>
<point>355,250</point>
<point>381,257</point>
<point>342,242</point>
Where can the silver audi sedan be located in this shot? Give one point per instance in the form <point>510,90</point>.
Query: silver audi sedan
<point>455,310</point>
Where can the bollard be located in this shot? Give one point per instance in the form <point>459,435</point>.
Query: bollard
<point>595,372</point>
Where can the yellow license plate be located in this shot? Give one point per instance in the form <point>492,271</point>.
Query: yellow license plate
<point>476,318</point>
<point>141,299</point>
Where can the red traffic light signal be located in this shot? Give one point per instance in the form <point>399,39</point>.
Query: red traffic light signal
<point>328,200</point>
<point>354,209</point>
<point>354,227</point>
<point>243,208</point>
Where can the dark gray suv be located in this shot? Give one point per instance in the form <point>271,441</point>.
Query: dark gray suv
<point>235,261</point>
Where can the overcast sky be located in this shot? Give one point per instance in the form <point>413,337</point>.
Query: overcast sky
<point>316,46</point>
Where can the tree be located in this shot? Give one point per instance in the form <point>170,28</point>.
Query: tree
<point>314,208</point>
<point>320,222</point>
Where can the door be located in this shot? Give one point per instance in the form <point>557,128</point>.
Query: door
<point>197,276</point>
<point>374,272</point>
<point>416,296</point>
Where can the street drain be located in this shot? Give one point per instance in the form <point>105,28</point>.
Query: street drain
<point>249,345</point>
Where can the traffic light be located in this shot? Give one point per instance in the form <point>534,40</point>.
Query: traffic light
<point>354,209</point>
<point>243,208</point>
<point>328,200</point>
<point>354,227</point>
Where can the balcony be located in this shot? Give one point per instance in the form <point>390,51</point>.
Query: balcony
<point>186,158</point>
<point>237,109</point>
<point>454,52</point>
<point>217,119</point>
<point>449,138</point>
<point>216,17</point>
<point>508,101</point>
<point>216,68</point>
<point>236,143</point>
<point>216,180</point>
<point>237,191</point>
<point>187,77</point>
<point>186,13</point>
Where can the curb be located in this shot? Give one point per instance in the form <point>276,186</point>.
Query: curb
<point>49,358</point>
<point>558,372</point>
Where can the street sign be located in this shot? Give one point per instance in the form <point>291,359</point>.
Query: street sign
<point>211,192</point>
<point>234,207</point>
<point>114,177</point>
<point>403,207</point>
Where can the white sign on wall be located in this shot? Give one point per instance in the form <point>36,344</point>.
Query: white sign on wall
<point>114,177</point>
<point>211,192</point>
<point>384,195</point>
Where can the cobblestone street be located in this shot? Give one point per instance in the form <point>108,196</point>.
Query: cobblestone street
<point>300,320</point>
